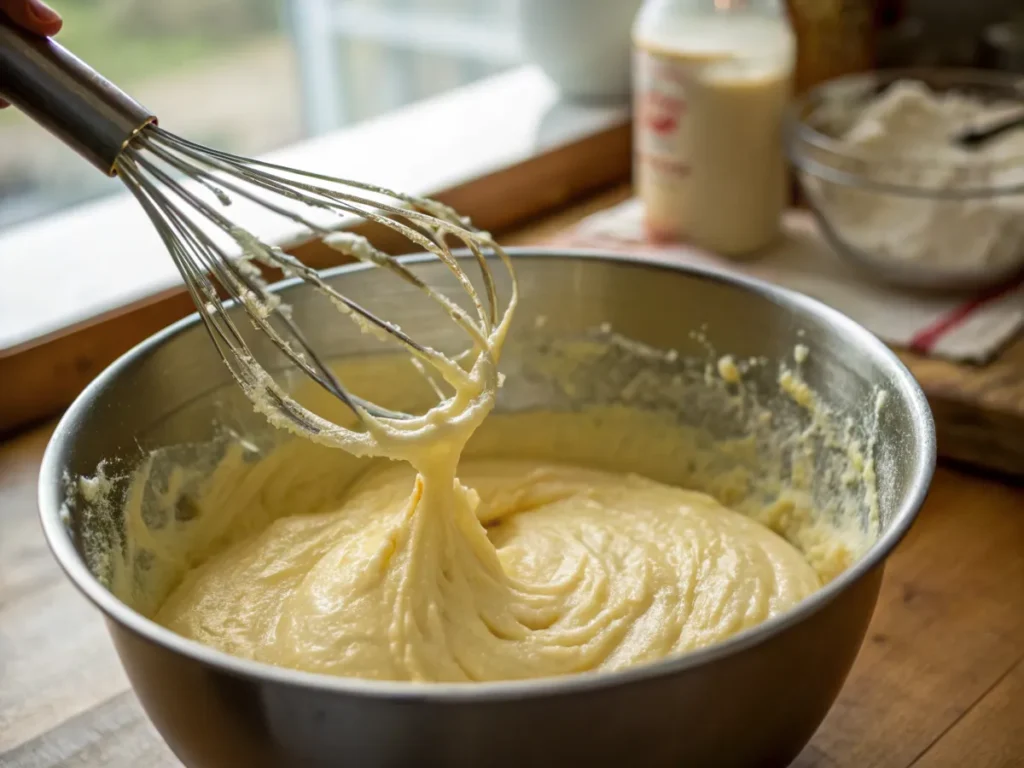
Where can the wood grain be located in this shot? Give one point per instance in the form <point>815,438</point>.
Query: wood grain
<point>55,659</point>
<point>979,410</point>
<point>939,681</point>
<point>114,733</point>
<point>990,735</point>
<point>948,626</point>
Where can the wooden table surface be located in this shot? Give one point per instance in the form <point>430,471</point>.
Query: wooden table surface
<point>939,681</point>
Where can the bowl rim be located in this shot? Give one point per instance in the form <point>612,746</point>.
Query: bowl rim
<point>984,280</point>
<point>897,376</point>
<point>798,132</point>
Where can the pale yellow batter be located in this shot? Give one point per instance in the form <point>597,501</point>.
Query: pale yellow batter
<point>576,570</point>
<point>515,569</point>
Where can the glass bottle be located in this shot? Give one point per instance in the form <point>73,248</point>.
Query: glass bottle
<point>712,79</point>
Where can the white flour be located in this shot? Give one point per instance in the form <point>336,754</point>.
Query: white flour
<point>907,133</point>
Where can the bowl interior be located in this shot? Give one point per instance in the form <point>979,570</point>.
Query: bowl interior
<point>652,337</point>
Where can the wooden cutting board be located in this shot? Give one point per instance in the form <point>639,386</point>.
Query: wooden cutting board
<point>979,410</point>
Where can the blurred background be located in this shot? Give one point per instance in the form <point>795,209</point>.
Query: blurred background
<point>252,75</point>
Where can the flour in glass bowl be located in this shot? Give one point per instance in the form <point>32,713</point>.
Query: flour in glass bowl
<point>905,136</point>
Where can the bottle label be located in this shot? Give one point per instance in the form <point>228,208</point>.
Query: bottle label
<point>660,114</point>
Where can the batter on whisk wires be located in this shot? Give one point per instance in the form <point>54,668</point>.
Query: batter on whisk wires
<point>577,570</point>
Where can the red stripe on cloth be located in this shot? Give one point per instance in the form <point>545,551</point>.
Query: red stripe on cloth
<point>924,341</point>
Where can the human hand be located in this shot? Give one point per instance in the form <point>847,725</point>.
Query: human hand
<point>33,15</point>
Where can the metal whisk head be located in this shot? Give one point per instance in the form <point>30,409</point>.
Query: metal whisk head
<point>184,188</point>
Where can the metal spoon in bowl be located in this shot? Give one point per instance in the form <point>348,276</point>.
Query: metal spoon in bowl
<point>973,138</point>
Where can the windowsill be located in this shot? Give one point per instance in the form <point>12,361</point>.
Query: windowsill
<point>66,269</point>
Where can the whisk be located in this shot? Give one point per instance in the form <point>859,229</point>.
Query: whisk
<point>184,186</point>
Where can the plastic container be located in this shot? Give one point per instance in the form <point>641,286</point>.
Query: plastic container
<point>712,79</point>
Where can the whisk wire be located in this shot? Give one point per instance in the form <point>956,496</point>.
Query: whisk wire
<point>225,335</point>
<point>252,247</point>
<point>157,167</point>
<point>375,211</point>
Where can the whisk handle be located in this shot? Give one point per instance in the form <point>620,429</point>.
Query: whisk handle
<point>67,97</point>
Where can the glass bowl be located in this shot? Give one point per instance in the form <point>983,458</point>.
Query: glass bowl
<point>924,221</point>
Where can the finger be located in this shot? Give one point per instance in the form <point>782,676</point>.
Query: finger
<point>47,21</point>
<point>34,15</point>
<point>3,104</point>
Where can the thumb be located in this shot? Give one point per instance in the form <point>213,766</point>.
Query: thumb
<point>34,15</point>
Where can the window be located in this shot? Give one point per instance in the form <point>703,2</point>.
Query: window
<point>252,75</point>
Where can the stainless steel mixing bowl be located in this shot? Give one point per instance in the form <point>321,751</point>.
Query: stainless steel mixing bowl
<point>754,700</point>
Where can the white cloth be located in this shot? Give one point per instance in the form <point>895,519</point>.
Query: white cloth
<point>969,329</point>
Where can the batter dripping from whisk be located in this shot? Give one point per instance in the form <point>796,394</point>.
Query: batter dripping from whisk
<point>512,570</point>
<point>577,570</point>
